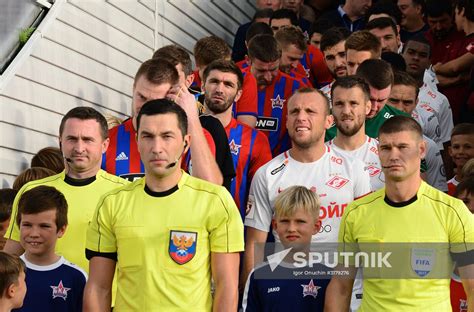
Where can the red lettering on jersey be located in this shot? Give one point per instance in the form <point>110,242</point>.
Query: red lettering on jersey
<point>427,107</point>
<point>374,150</point>
<point>337,182</point>
<point>432,94</point>
<point>337,160</point>
<point>332,210</point>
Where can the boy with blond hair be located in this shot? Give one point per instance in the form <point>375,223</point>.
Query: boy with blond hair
<point>296,220</point>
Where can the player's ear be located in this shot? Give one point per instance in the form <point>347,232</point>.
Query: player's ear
<point>189,80</point>
<point>61,231</point>
<point>368,106</point>
<point>105,145</point>
<point>274,224</point>
<point>238,95</point>
<point>423,149</point>
<point>317,226</point>
<point>11,290</point>
<point>187,143</point>
<point>329,121</point>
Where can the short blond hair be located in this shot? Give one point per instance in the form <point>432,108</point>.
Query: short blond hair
<point>295,198</point>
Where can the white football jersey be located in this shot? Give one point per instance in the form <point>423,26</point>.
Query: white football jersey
<point>336,179</point>
<point>439,102</point>
<point>435,174</point>
<point>327,92</point>
<point>429,78</point>
<point>368,153</point>
<point>427,117</point>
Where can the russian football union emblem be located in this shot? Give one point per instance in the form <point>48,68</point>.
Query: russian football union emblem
<point>182,246</point>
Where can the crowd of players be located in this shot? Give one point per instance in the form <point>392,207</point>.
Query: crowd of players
<point>369,98</point>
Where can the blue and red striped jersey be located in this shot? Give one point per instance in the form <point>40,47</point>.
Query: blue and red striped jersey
<point>122,157</point>
<point>272,110</point>
<point>314,65</point>
<point>250,150</point>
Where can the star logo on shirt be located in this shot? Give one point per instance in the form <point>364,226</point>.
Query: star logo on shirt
<point>60,291</point>
<point>310,289</point>
<point>234,147</point>
<point>278,102</point>
<point>306,70</point>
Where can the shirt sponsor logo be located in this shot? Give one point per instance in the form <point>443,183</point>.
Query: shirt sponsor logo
<point>387,116</point>
<point>310,289</point>
<point>278,102</point>
<point>182,246</point>
<point>273,289</point>
<point>278,169</point>
<point>374,150</point>
<point>337,182</point>
<point>121,156</point>
<point>60,291</point>
<point>234,148</point>
<point>267,123</point>
<point>337,160</point>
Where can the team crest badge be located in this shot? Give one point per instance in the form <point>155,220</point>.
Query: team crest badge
<point>373,171</point>
<point>234,147</point>
<point>278,102</point>
<point>422,261</point>
<point>337,182</point>
<point>310,289</point>
<point>182,247</point>
<point>60,291</point>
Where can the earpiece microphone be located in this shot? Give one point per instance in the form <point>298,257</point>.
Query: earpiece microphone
<point>69,160</point>
<point>174,163</point>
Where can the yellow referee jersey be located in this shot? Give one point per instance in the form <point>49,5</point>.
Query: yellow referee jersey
<point>163,242</point>
<point>432,216</point>
<point>82,198</point>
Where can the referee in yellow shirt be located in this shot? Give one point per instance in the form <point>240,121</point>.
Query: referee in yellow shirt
<point>168,233</point>
<point>409,211</point>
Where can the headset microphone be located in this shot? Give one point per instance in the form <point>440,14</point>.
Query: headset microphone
<point>69,160</point>
<point>174,163</point>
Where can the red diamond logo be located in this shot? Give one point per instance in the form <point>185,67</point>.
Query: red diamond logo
<point>373,171</point>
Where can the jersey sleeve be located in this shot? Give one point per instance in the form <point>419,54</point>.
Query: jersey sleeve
<point>260,210</point>
<point>460,225</point>
<point>222,149</point>
<point>361,179</point>
<point>261,154</point>
<point>346,238</point>
<point>100,239</point>
<point>250,301</point>
<point>247,104</point>
<point>435,166</point>
<point>319,69</point>
<point>446,124</point>
<point>226,229</point>
<point>248,107</point>
<point>80,285</point>
<point>13,231</point>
